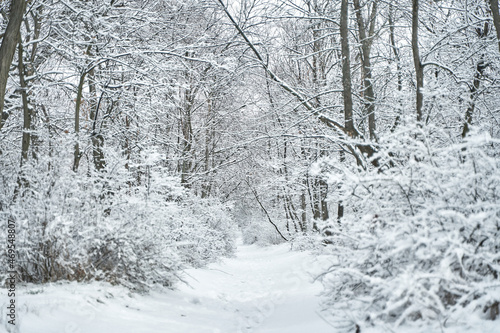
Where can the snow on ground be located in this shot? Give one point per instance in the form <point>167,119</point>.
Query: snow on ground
<point>261,290</point>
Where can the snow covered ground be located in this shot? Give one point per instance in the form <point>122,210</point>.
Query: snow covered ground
<point>261,289</point>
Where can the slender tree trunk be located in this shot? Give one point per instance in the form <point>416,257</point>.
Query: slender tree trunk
<point>366,40</point>
<point>323,194</point>
<point>27,111</point>
<point>8,47</point>
<point>478,73</point>
<point>312,201</point>
<point>77,153</point>
<point>79,94</point>
<point>209,148</point>
<point>340,207</point>
<point>317,68</point>
<point>187,138</point>
<point>186,151</point>
<point>496,19</point>
<point>419,71</point>
<point>346,83</point>
<point>303,208</point>
<point>473,93</point>
<point>316,201</point>
<point>29,69</point>
<point>290,212</point>
<point>346,69</point>
<point>96,138</point>
<point>395,50</point>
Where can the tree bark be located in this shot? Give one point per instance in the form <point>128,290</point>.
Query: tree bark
<point>395,50</point>
<point>96,138</point>
<point>496,19</point>
<point>346,69</point>
<point>478,73</point>
<point>187,137</point>
<point>206,185</point>
<point>27,111</point>
<point>303,208</point>
<point>340,206</point>
<point>8,47</point>
<point>419,70</point>
<point>323,194</point>
<point>366,40</point>
<point>480,67</point>
<point>77,153</point>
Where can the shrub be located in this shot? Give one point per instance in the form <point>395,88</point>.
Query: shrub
<point>420,243</point>
<point>94,227</point>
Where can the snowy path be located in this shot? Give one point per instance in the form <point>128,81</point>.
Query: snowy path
<point>260,290</point>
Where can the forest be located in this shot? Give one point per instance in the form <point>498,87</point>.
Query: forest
<point>141,137</point>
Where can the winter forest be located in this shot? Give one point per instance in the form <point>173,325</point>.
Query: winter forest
<point>143,138</point>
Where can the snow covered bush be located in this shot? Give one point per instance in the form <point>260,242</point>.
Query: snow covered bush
<point>420,244</point>
<point>313,242</point>
<point>96,227</point>
<point>205,230</point>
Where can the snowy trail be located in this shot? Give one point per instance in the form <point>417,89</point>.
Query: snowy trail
<point>261,290</point>
<point>266,289</point>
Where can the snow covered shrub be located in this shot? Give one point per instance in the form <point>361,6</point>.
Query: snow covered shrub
<point>307,243</point>
<point>132,246</point>
<point>420,242</point>
<point>205,230</point>
<point>82,227</point>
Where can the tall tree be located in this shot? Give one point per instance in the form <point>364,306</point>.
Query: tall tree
<point>496,19</point>
<point>366,34</point>
<point>8,47</point>
<point>417,62</point>
<point>346,69</point>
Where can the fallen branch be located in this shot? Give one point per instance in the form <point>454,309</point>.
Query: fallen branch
<point>265,210</point>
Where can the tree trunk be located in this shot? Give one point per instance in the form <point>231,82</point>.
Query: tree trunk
<point>478,73</point>
<point>473,93</point>
<point>27,111</point>
<point>187,138</point>
<point>206,185</point>
<point>340,207</point>
<point>395,50</point>
<point>346,83</point>
<point>97,138</point>
<point>419,70</point>
<point>77,153</point>
<point>303,208</point>
<point>8,47</point>
<point>346,69</point>
<point>323,194</point>
<point>366,40</point>
<point>496,19</point>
